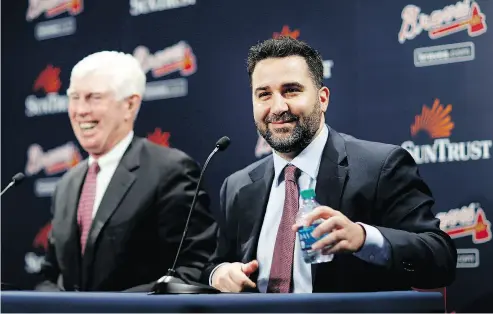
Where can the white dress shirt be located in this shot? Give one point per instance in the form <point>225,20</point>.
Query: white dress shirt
<point>107,166</point>
<point>375,249</point>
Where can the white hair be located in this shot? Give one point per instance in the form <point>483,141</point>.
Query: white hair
<point>124,72</point>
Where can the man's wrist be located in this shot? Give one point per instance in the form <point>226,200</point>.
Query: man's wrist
<point>364,237</point>
<point>211,276</point>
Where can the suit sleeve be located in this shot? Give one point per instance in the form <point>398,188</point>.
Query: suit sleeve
<point>176,197</point>
<point>422,254</point>
<point>224,251</point>
<point>50,270</point>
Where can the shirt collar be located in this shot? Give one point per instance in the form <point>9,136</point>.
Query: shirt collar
<point>115,154</point>
<point>308,161</point>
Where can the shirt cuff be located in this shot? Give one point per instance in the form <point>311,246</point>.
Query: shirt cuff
<point>376,249</point>
<point>212,272</point>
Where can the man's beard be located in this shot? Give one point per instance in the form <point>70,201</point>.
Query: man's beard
<point>301,135</point>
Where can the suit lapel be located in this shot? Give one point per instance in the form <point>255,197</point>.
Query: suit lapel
<point>333,172</point>
<point>253,199</point>
<point>331,177</point>
<point>122,180</point>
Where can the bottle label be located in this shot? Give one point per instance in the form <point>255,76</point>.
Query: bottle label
<point>306,238</point>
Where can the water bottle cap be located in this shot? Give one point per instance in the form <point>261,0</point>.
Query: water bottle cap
<point>310,193</point>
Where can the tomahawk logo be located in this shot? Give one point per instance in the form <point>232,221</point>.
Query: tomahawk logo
<point>466,221</point>
<point>464,15</point>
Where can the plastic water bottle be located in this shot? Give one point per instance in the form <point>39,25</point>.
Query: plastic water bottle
<point>305,233</point>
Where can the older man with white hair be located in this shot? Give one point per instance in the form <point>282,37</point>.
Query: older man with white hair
<point>119,215</point>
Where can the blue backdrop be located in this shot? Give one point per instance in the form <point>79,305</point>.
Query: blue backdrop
<point>414,73</point>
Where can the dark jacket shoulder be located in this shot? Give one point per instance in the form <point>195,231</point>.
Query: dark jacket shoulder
<point>240,178</point>
<point>369,150</point>
<point>168,157</point>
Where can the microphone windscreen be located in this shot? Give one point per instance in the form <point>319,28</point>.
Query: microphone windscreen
<point>18,177</point>
<point>223,143</point>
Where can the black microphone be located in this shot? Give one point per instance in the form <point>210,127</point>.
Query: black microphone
<point>16,180</point>
<point>171,284</point>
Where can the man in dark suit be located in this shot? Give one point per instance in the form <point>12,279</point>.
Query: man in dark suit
<point>376,209</point>
<point>119,215</point>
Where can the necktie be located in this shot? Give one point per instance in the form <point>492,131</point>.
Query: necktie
<point>86,204</point>
<point>282,260</point>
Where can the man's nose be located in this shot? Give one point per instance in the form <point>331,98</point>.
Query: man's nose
<point>81,108</point>
<point>279,105</point>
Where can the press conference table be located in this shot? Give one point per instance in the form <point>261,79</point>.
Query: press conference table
<point>57,302</point>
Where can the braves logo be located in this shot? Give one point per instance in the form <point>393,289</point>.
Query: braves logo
<point>178,57</point>
<point>465,15</point>
<point>53,8</point>
<point>466,221</point>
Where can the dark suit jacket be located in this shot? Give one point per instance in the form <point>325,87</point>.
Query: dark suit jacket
<point>373,183</point>
<point>137,229</point>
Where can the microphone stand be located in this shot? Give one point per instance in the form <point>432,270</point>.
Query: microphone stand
<point>171,284</point>
<point>16,179</point>
<point>7,187</point>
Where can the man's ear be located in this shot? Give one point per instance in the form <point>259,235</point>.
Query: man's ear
<point>133,105</point>
<point>323,98</point>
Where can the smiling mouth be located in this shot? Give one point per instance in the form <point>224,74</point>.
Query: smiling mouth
<point>283,122</point>
<point>85,126</point>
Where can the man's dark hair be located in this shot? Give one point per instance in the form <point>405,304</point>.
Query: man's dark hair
<point>285,47</point>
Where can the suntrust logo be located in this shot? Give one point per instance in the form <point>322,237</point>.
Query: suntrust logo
<point>287,32</point>
<point>32,260</point>
<point>437,123</point>
<point>159,137</point>
<point>48,82</point>
<point>138,7</point>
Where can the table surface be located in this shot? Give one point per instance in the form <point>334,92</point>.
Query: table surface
<point>56,302</point>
